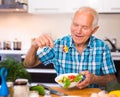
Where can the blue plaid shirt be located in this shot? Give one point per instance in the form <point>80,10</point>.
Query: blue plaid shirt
<point>96,57</point>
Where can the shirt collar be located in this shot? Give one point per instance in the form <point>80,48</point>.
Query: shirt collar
<point>90,43</point>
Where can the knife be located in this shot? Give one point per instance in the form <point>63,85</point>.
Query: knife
<point>52,91</point>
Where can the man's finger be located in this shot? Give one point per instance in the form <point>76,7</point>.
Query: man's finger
<point>50,41</point>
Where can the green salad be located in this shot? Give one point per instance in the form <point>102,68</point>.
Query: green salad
<point>67,80</point>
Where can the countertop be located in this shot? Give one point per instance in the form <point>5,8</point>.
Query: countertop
<point>115,55</point>
<point>76,92</point>
<point>13,52</point>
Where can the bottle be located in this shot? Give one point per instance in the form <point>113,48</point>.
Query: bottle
<point>4,91</point>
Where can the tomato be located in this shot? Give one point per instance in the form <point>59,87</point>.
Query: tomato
<point>71,77</point>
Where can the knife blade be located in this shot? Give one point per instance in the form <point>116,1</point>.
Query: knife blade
<point>52,91</point>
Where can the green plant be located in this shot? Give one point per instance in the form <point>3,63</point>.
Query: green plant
<point>15,68</point>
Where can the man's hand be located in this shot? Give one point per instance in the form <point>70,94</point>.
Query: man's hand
<point>89,77</point>
<point>42,41</point>
<point>94,79</point>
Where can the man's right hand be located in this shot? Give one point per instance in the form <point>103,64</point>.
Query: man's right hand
<point>42,41</point>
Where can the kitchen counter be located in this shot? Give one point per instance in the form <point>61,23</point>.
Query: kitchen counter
<point>13,52</point>
<point>76,92</point>
<point>17,54</point>
<point>115,55</point>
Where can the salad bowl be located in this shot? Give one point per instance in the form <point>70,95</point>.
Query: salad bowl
<point>69,80</point>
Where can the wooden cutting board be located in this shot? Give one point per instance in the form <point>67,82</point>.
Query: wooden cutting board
<point>76,92</point>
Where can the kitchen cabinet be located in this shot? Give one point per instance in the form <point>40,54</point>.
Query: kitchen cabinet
<point>46,6</point>
<point>73,5</point>
<point>102,6</point>
<point>43,74</point>
<point>62,6</point>
<point>111,6</point>
<point>117,65</point>
<point>70,6</point>
<point>116,59</point>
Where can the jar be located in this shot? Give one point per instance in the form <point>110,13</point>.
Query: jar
<point>17,45</point>
<point>21,88</point>
<point>1,45</point>
<point>7,45</point>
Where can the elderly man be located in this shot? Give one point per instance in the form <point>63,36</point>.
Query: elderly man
<point>79,52</point>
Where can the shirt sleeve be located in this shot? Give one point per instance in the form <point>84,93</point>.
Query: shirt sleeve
<point>46,55</point>
<point>108,65</point>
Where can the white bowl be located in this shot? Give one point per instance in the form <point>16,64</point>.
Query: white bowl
<point>60,80</point>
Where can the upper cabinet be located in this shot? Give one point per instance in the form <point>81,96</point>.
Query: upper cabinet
<point>73,5</point>
<point>70,6</point>
<point>111,6</point>
<point>61,6</point>
<point>46,6</point>
<point>13,5</point>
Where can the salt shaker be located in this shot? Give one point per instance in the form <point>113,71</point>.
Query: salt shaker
<point>47,93</point>
<point>33,94</point>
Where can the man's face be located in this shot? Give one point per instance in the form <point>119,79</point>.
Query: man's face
<point>81,28</point>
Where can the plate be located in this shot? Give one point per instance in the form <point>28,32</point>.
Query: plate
<point>69,80</point>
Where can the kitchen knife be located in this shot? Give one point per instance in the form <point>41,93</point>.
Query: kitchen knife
<point>52,91</point>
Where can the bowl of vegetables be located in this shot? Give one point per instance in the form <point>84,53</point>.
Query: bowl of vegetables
<point>69,80</point>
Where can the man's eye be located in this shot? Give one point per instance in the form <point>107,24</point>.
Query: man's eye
<point>85,28</point>
<point>76,25</point>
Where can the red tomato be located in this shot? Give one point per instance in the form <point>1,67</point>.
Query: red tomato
<point>71,77</point>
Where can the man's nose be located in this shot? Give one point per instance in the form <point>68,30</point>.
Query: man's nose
<point>79,29</point>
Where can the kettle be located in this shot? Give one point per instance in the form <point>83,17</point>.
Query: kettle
<point>4,91</point>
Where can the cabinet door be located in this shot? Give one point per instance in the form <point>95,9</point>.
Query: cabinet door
<point>73,5</point>
<point>46,6</point>
<point>117,65</point>
<point>112,6</point>
<point>97,5</point>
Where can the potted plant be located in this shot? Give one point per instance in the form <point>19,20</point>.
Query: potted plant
<point>15,68</point>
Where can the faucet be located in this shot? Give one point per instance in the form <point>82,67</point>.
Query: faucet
<point>112,44</point>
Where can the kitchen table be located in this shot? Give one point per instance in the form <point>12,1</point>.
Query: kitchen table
<point>76,92</point>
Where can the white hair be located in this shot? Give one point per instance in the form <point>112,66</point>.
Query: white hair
<point>93,12</point>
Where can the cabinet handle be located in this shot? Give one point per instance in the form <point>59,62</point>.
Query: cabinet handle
<point>45,9</point>
<point>117,8</point>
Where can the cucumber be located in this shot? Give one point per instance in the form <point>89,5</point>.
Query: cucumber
<point>39,88</point>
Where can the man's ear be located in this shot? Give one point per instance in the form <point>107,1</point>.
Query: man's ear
<point>95,29</point>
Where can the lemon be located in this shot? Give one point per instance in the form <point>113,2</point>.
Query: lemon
<point>115,92</point>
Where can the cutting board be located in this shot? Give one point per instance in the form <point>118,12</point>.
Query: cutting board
<point>76,92</point>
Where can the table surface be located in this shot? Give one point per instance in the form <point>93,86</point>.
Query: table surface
<point>76,92</point>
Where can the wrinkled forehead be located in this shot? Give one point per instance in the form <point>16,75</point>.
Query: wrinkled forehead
<point>83,16</point>
<point>86,11</point>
